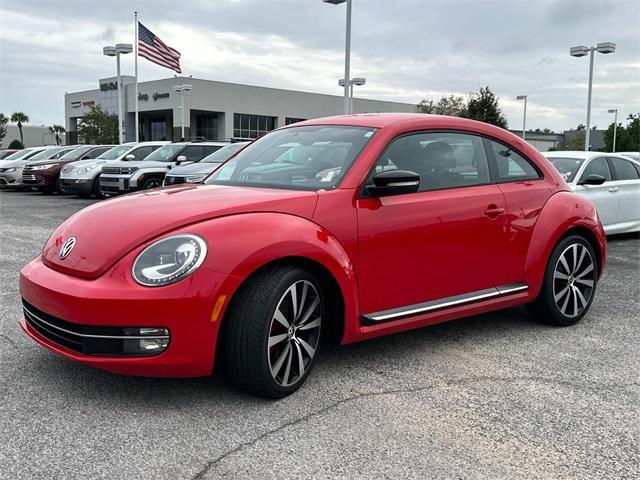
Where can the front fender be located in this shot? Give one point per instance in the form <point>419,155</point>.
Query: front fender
<point>562,212</point>
<point>241,244</point>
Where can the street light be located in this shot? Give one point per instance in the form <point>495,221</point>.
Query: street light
<point>359,81</point>
<point>347,49</point>
<point>181,89</point>
<point>110,51</point>
<point>524,117</point>
<point>581,51</point>
<point>615,126</point>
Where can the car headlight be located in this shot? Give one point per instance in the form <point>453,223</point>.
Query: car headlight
<point>67,169</point>
<point>8,170</point>
<point>169,260</point>
<point>194,178</point>
<point>87,169</point>
<point>43,167</point>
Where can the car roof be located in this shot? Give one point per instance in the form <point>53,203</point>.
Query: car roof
<point>581,154</point>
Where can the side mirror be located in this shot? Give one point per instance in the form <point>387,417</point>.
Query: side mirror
<point>593,179</point>
<point>130,157</point>
<point>394,182</point>
<point>180,159</point>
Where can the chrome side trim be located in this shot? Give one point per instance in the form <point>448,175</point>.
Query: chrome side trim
<point>446,302</point>
<point>84,335</point>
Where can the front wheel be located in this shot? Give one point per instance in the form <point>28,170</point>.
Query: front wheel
<point>152,182</point>
<point>271,334</point>
<point>569,283</point>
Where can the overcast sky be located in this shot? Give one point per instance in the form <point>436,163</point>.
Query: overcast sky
<point>407,50</point>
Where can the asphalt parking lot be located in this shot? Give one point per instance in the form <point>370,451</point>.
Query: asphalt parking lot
<point>491,397</point>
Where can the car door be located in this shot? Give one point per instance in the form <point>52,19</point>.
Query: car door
<point>627,181</point>
<point>442,241</point>
<point>605,197</point>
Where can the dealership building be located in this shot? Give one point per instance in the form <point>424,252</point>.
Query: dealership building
<point>212,110</point>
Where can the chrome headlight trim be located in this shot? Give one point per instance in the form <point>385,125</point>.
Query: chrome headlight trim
<point>193,253</point>
<point>43,167</point>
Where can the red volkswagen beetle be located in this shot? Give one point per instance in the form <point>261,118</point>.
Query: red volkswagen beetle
<point>354,226</point>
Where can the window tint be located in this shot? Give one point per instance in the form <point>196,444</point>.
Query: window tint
<point>443,160</point>
<point>141,152</point>
<point>511,166</point>
<point>96,152</point>
<point>597,166</point>
<point>195,153</point>
<point>623,169</point>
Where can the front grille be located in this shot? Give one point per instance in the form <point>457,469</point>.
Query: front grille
<point>111,170</point>
<point>109,180</point>
<point>28,177</point>
<point>171,180</point>
<point>88,339</point>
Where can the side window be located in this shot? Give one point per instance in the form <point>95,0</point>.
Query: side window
<point>443,160</point>
<point>142,152</point>
<point>95,153</point>
<point>195,153</point>
<point>597,166</point>
<point>623,170</point>
<point>511,166</point>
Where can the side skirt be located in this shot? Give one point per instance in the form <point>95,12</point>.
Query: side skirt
<point>443,303</point>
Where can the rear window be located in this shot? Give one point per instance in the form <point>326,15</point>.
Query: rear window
<point>567,166</point>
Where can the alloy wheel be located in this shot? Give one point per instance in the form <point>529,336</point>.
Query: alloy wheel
<point>574,278</point>
<point>153,184</point>
<point>294,333</point>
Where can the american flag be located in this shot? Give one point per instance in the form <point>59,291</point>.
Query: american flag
<point>154,49</point>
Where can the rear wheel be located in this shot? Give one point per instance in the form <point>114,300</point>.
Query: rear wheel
<point>152,182</point>
<point>271,333</point>
<point>569,283</point>
<point>96,188</point>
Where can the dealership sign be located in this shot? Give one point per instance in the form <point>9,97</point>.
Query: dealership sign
<point>105,87</point>
<point>143,97</point>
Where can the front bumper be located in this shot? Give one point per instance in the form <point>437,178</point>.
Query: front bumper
<point>11,180</point>
<point>111,185</point>
<point>76,185</point>
<point>114,300</point>
<point>38,180</point>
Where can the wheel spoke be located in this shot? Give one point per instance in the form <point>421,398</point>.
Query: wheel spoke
<point>560,294</point>
<point>281,318</point>
<point>574,250</point>
<point>565,264</point>
<point>294,300</point>
<point>563,309</point>
<point>283,356</point>
<point>580,297</point>
<point>287,370</point>
<point>312,324</point>
<point>276,339</point>
<point>583,252</point>
<point>309,349</point>
<point>300,361</point>
<point>585,271</point>
<point>303,299</point>
<point>560,275</point>
<point>588,283</point>
<point>575,301</point>
<point>309,311</point>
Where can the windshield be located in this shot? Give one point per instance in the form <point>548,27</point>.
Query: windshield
<point>46,154</point>
<point>568,167</point>
<point>164,154</point>
<point>76,153</point>
<point>311,157</point>
<point>224,153</point>
<point>115,152</point>
<point>19,154</point>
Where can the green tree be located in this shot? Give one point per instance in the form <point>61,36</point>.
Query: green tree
<point>627,136</point>
<point>19,118</point>
<point>483,106</point>
<point>56,131</point>
<point>15,145</point>
<point>452,105</point>
<point>98,127</point>
<point>3,126</point>
<point>577,142</point>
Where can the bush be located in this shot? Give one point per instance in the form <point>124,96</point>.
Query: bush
<point>15,145</point>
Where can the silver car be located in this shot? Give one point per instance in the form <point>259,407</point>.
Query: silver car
<point>12,166</point>
<point>611,181</point>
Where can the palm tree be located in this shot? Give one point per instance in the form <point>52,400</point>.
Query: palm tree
<point>56,131</point>
<point>20,118</point>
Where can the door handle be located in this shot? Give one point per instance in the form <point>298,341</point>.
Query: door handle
<point>613,189</point>
<point>493,211</point>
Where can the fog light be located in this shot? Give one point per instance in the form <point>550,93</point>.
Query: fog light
<point>157,342</point>
<point>154,344</point>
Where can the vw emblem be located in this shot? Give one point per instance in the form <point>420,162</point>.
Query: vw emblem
<point>66,248</point>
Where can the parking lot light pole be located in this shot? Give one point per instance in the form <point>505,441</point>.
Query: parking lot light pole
<point>615,127</point>
<point>110,51</point>
<point>354,81</point>
<point>347,50</point>
<point>181,89</point>
<point>581,51</point>
<point>524,116</point>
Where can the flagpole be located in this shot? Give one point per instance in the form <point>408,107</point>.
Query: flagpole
<point>135,14</point>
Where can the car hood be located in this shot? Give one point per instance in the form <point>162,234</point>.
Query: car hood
<point>46,162</point>
<point>13,163</point>
<point>89,161</point>
<point>107,231</point>
<point>194,168</point>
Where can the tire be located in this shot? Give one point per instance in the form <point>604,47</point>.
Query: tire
<point>96,188</point>
<point>259,353</point>
<point>569,284</point>
<point>153,182</point>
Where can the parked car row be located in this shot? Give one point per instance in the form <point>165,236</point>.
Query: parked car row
<point>108,170</point>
